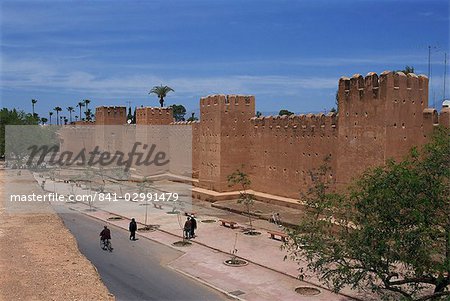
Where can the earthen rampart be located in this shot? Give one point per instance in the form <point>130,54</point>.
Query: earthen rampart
<point>154,116</point>
<point>283,149</point>
<point>380,117</point>
<point>110,115</point>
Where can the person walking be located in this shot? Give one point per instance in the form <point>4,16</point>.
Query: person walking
<point>105,234</point>
<point>133,228</point>
<point>105,238</point>
<point>187,228</point>
<point>193,226</point>
<point>276,219</point>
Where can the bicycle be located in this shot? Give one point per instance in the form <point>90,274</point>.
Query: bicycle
<point>105,244</point>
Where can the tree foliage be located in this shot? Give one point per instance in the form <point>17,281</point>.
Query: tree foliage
<point>241,179</point>
<point>14,117</point>
<point>130,115</point>
<point>57,110</point>
<point>33,103</point>
<point>179,111</point>
<point>161,92</point>
<point>80,105</point>
<point>88,113</point>
<point>285,112</point>
<point>389,234</point>
<point>70,110</point>
<point>407,70</point>
<point>192,118</point>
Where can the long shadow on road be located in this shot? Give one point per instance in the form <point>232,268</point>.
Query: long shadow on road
<point>135,270</point>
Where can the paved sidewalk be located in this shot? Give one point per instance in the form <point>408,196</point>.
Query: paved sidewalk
<point>267,277</point>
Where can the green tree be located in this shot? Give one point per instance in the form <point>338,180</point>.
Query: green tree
<point>86,103</point>
<point>70,110</point>
<point>80,105</point>
<point>33,102</point>
<point>88,115</point>
<point>179,111</point>
<point>285,112</point>
<point>57,110</point>
<point>44,120</point>
<point>258,114</point>
<point>50,114</point>
<point>130,115</point>
<point>407,70</point>
<point>336,102</point>
<point>13,117</point>
<point>161,92</point>
<point>144,188</point>
<point>192,118</point>
<point>389,234</point>
<point>241,179</point>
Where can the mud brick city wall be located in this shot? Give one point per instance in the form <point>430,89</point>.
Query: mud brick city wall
<point>195,153</point>
<point>283,149</point>
<point>154,116</point>
<point>223,136</point>
<point>379,117</point>
<point>110,115</point>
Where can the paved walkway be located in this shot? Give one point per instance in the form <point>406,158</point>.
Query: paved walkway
<point>267,277</point>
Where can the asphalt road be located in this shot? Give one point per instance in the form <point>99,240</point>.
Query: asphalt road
<point>135,270</point>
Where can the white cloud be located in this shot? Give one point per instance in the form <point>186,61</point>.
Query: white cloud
<point>39,75</point>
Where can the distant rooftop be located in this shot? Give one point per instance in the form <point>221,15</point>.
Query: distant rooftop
<point>446,103</point>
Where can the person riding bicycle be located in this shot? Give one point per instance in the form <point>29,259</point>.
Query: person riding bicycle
<point>105,234</point>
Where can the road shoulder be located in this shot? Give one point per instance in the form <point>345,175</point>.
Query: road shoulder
<point>39,257</point>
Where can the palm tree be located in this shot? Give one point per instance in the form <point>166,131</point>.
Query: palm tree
<point>86,103</point>
<point>70,109</point>
<point>33,102</point>
<point>44,120</point>
<point>57,109</point>
<point>88,114</point>
<point>50,114</point>
<point>76,117</point>
<point>81,104</point>
<point>161,92</point>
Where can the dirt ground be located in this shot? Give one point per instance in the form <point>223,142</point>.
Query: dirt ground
<point>39,258</point>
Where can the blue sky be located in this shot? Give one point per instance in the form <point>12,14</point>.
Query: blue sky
<point>289,54</point>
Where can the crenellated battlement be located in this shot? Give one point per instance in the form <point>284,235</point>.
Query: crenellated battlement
<point>185,122</point>
<point>227,101</point>
<point>373,86</point>
<point>154,110</point>
<point>381,116</point>
<point>384,100</point>
<point>154,116</point>
<point>111,115</point>
<point>303,121</point>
